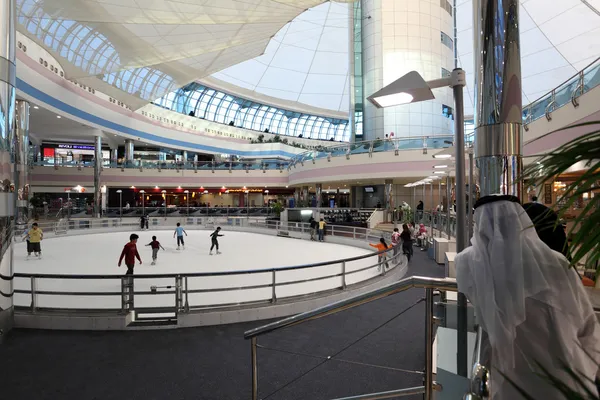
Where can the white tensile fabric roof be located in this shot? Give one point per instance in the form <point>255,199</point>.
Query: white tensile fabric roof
<point>138,50</point>
<point>306,62</point>
<point>558,39</point>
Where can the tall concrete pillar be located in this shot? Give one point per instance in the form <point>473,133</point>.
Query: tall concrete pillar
<point>389,200</point>
<point>97,172</point>
<point>129,152</point>
<point>114,156</point>
<point>498,105</point>
<point>185,156</point>
<point>22,162</point>
<point>305,196</point>
<point>296,197</point>
<point>7,156</point>
<point>319,194</point>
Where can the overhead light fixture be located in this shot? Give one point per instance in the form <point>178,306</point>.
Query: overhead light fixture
<point>411,87</point>
<point>156,187</point>
<point>58,116</point>
<point>36,107</point>
<point>440,166</point>
<point>442,156</point>
<point>132,187</point>
<point>186,191</point>
<point>440,172</point>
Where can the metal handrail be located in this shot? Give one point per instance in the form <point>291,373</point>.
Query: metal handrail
<point>422,282</point>
<point>383,263</point>
<point>447,284</point>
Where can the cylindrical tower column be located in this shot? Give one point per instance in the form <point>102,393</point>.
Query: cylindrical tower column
<point>498,104</point>
<point>389,200</point>
<point>319,194</point>
<point>7,156</point>
<point>129,152</point>
<point>97,172</point>
<point>184,156</point>
<point>399,36</point>
<point>22,162</point>
<point>305,196</point>
<point>114,156</point>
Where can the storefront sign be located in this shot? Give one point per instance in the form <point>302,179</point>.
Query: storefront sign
<point>76,146</point>
<point>547,193</point>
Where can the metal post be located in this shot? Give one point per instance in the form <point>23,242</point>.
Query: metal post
<point>344,273</point>
<point>253,349</point>
<point>432,209</point>
<point>461,229</point>
<point>414,203</point>
<point>120,204</point>
<point>178,293</point>
<point>123,295</point>
<point>68,204</point>
<point>97,172</point>
<point>423,211</point>
<point>448,205</point>
<point>22,162</point>
<point>471,198</point>
<point>33,295</point>
<point>186,307</point>
<point>273,284</point>
<point>428,344</point>
<point>439,220</point>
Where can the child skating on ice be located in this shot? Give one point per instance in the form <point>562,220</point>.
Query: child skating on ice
<point>179,231</point>
<point>214,238</point>
<point>155,245</point>
<point>34,237</point>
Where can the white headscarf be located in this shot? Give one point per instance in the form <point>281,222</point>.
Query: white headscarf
<point>506,274</point>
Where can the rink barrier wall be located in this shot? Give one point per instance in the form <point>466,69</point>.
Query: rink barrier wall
<point>197,299</point>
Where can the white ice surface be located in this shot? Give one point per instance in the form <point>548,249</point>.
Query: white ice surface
<point>99,253</point>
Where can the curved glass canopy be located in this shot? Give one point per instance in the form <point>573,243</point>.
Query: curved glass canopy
<point>217,106</point>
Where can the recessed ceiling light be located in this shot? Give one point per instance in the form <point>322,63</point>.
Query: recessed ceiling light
<point>439,172</point>
<point>58,116</point>
<point>442,156</point>
<point>36,107</point>
<point>440,166</point>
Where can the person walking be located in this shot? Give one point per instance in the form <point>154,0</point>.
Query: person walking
<point>322,225</point>
<point>407,241</point>
<point>155,245</point>
<point>34,237</point>
<point>420,207</point>
<point>179,231</point>
<point>130,253</point>
<point>313,229</point>
<point>381,246</point>
<point>396,243</point>
<point>214,239</point>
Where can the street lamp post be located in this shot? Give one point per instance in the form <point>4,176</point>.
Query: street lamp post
<point>164,192</point>
<point>187,196</point>
<point>143,207</point>
<point>247,204</point>
<point>68,203</point>
<point>412,88</point>
<point>120,204</point>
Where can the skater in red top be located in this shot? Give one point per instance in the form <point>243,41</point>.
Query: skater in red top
<point>130,253</point>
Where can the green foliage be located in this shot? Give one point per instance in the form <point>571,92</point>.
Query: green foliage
<point>277,208</point>
<point>586,149</point>
<point>260,138</point>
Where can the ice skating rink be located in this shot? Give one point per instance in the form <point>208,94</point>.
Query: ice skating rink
<point>98,254</point>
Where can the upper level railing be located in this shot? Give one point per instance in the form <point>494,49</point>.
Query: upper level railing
<point>375,146</point>
<point>565,93</point>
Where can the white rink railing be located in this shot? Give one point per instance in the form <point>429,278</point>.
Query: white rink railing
<point>177,293</point>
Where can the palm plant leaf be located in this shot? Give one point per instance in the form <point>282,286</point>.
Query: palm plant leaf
<point>586,149</point>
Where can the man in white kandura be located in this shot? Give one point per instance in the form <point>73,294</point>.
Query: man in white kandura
<point>531,304</point>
